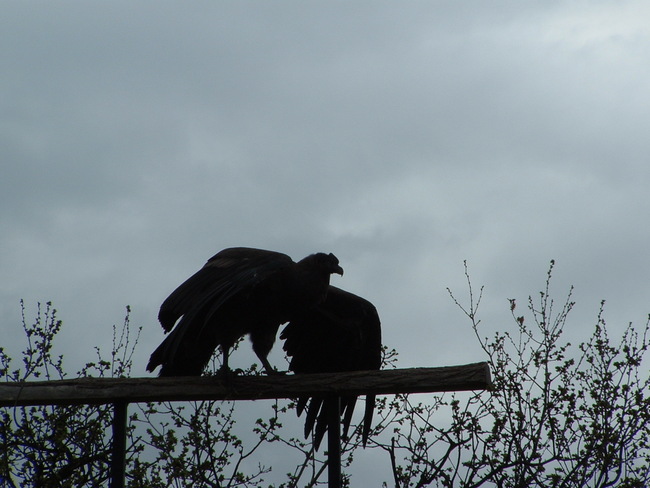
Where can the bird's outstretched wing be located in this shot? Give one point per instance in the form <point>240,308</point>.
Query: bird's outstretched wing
<point>342,333</point>
<point>188,310</point>
<point>223,275</point>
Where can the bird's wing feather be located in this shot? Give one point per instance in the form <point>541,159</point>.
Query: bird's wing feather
<point>341,334</point>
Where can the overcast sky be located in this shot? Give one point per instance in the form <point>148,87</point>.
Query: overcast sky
<point>137,139</point>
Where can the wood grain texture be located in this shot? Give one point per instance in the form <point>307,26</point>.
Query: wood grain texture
<point>474,376</point>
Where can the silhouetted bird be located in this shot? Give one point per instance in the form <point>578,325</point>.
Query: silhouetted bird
<point>239,291</point>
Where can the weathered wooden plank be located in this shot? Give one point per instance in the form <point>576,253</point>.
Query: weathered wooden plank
<point>107,390</point>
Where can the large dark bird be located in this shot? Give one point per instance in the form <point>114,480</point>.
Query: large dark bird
<point>239,291</point>
<point>342,333</point>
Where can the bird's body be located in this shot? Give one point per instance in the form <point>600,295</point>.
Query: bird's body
<point>239,291</point>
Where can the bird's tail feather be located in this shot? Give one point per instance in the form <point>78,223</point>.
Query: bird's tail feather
<point>367,418</point>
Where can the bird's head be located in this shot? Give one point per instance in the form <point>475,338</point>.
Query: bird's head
<point>333,264</point>
<point>326,262</point>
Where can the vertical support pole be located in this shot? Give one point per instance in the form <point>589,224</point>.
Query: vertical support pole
<point>333,405</point>
<point>118,454</point>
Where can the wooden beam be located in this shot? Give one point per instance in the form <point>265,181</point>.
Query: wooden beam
<point>107,390</point>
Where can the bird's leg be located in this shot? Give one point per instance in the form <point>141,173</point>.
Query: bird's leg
<point>270,370</point>
<point>262,344</point>
<point>224,370</point>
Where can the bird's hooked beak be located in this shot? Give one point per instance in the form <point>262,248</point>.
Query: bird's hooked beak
<point>337,267</point>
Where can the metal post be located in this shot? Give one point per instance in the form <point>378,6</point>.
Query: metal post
<point>118,454</point>
<point>333,405</point>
